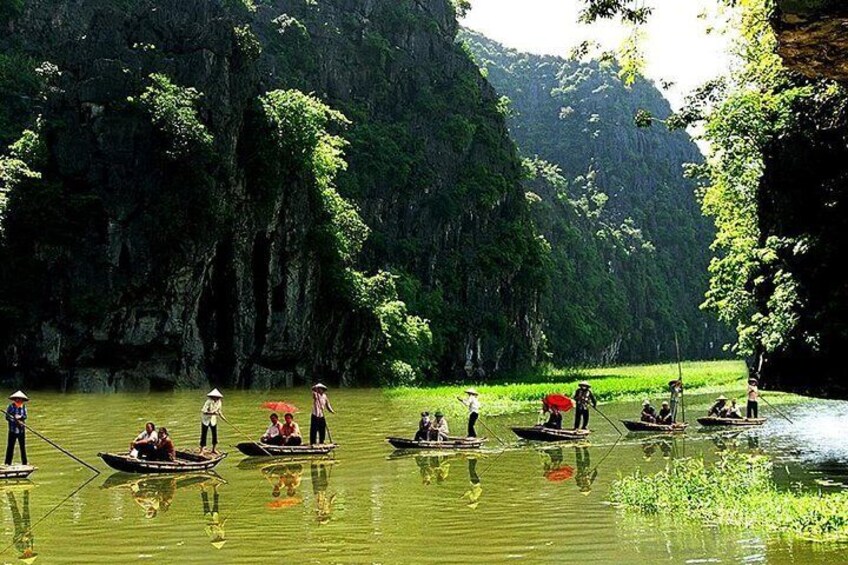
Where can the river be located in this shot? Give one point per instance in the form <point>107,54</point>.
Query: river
<point>538,504</point>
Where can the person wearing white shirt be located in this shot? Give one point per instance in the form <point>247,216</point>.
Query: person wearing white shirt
<point>273,435</point>
<point>144,443</point>
<point>209,419</point>
<point>473,405</point>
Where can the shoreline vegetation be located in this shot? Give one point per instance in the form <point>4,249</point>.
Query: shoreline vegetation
<point>739,491</point>
<point>609,384</point>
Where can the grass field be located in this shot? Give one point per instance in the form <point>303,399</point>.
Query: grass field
<point>608,384</point>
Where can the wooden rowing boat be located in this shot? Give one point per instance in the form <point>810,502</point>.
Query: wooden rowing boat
<point>13,472</point>
<point>713,421</point>
<point>186,462</point>
<point>450,443</point>
<point>263,449</point>
<point>639,426</point>
<point>541,433</point>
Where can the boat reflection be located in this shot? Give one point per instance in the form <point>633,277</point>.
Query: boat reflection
<point>320,474</point>
<point>23,539</point>
<point>154,495</point>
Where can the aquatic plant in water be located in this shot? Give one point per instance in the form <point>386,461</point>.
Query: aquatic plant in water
<point>738,490</point>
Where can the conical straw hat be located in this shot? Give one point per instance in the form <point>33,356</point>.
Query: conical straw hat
<point>215,393</point>
<point>18,395</point>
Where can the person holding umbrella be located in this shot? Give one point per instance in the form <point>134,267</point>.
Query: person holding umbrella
<point>473,405</point>
<point>16,415</point>
<point>318,422</point>
<point>209,418</point>
<point>583,397</point>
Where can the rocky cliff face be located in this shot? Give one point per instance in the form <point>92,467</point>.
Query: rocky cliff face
<point>812,37</point>
<point>162,271</point>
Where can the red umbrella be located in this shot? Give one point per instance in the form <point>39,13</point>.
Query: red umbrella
<point>559,401</point>
<point>284,503</point>
<point>280,407</point>
<point>560,474</point>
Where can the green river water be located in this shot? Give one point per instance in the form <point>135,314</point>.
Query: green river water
<point>522,502</point>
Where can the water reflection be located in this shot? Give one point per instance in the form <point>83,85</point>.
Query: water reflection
<point>284,478</point>
<point>320,473</point>
<point>214,525</point>
<point>23,538</point>
<point>434,468</point>
<point>553,467</point>
<point>154,495</point>
<point>475,492</point>
<point>586,475</point>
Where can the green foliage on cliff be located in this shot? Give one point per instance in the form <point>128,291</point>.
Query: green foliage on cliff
<point>173,111</point>
<point>299,130</point>
<point>630,245</point>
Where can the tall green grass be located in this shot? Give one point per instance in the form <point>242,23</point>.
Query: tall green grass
<point>608,384</point>
<point>737,491</point>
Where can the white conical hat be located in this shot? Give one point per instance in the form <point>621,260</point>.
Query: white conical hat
<point>18,394</point>
<point>472,391</point>
<point>215,393</point>
<point>319,385</point>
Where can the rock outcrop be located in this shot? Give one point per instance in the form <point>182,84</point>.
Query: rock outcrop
<point>152,271</point>
<point>813,37</point>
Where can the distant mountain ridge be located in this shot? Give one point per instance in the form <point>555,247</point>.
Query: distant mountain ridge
<point>579,117</point>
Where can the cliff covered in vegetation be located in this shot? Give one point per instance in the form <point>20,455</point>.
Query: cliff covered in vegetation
<point>176,210</point>
<point>630,246</point>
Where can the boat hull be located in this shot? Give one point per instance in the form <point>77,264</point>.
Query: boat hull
<point>16,472</point>
<point>541,433</point>
<point>187,462</point>
<point>452,443</point>
<point>264,450</point>
<point>712,421</point>
<point>637,426</point>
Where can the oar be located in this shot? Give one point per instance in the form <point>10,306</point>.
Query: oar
<point>57,446</point>
<point>608,420</point>
<point>778,411</point>
<point>680,378</point>
<point>327,427</point>
<point>251,440</point>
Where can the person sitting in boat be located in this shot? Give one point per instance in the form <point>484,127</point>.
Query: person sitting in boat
<point>665,416</point>
<point>165,450</point>
<point>719,409</point>
<point>291,431</point>
<point>439,430</point>
<point>423,427</point>
<point>145,442</point>
<point>733,411</point>
<point>274,434</point>
<point>649,413</point>
<point>554,417</point>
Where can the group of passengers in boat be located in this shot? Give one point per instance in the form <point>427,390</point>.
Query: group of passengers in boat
<point>721,408</point>
<point>436,429</point>
<point>153,444</point>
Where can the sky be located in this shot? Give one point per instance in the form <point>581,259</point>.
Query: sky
<point>676,44</point>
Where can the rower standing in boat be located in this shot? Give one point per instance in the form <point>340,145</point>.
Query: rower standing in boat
<point>145,442</point>
<point>209,418</point>
<point>16,415</point>
<point>719,409</point>
<point>439,430</point>
<point>274,434</point>
<point>649,413</point>
<point>320,406</point>
<point>752,410</point>
<point>675,387</point>
<point>473,404</point>
<point>582,398</point>
<point>665,416</point>
<point>423,427</point>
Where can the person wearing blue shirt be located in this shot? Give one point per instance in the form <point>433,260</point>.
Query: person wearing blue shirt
<point>16,415</point>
